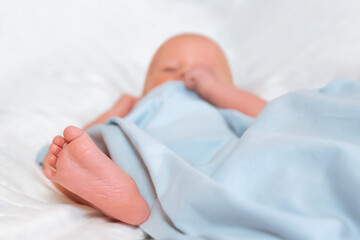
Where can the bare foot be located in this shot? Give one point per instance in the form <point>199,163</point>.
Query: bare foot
<point>77,164</point>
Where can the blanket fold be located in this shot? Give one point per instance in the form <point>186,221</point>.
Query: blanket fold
<point>209,173</point>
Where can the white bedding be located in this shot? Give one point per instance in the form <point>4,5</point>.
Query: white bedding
<point>64,62</point>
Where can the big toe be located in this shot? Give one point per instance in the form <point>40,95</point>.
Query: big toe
<point>71,133</point>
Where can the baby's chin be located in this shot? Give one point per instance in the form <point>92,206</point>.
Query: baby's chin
<point>152,83</point>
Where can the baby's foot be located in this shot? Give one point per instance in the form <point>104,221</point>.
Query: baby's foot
<point>76,163</point>
<point>205,83</point>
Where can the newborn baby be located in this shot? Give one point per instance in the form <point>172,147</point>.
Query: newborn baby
<point>85,174</point>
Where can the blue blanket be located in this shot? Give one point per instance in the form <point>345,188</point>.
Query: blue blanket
<point>210,173</point>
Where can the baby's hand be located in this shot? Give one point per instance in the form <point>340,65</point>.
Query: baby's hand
<point>125,104</point>
<point>202,80</point>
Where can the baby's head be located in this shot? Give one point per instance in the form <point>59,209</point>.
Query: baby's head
<point>181,53</point>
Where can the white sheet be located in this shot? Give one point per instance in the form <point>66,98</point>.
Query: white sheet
<point>64,62</point>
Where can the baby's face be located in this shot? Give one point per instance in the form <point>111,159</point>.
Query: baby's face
<point>182,53</point>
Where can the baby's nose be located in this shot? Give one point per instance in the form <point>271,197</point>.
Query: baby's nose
<point>182,75</point>
<point>182,72</point>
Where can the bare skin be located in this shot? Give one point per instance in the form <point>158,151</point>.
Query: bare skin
<point>201,64</point>
<point>82,172</point>
<point>221,94</point>
<point>121,108</point>
<point>83,169</point>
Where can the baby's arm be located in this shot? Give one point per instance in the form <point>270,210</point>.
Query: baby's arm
<point>234,98</point>
<point>222,94</point>
<point>121,108</point>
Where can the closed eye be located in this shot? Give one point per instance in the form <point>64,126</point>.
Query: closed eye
<point>169,69</point>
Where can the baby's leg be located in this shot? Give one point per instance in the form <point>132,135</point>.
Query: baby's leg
<point>77,164</point>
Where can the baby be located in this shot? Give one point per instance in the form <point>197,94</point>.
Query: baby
<point>79,169</point>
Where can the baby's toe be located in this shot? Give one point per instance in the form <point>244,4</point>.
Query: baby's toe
<point>54,149</point>
<point>71,133</point>
<point>59,141</point>
<point>50,174</point>
<point>49,165</point>
<point>51,161</point>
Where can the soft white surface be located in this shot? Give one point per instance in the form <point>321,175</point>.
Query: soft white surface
<point>64,62</point>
